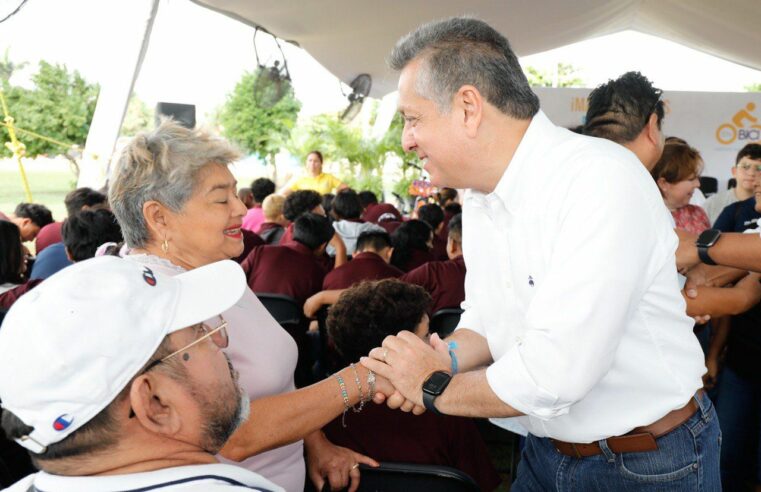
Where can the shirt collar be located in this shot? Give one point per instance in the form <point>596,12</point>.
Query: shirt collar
<point>508,192</point>
<point>297,246</point>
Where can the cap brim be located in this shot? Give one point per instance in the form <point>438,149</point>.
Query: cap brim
<point>206,292</point>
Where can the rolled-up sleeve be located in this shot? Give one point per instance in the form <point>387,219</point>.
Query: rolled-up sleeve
<point>604,249</point>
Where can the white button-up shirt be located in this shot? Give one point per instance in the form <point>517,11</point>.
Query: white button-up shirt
<point>572,280</point>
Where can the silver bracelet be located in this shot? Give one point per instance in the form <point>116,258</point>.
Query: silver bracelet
<point>359,387</point>
<point>370,385</point>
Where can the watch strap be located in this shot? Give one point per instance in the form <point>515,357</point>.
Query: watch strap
<point>703,255</point>
<point>428,401</point>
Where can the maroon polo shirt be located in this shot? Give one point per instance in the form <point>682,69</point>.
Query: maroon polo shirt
<point>364,266</point>
<point>250,241</point>
<point>8,297</point>
<point>444,280</point>
<point>50,234</point>
<point>417,258</point>
<point>289,269</point>
<point>439,250</point>
<point>391,435</point>
<point>264,231</point>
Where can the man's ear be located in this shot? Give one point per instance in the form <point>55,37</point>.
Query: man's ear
<point>469,103</point>
<point>154,407</point>
<point>653,132</point>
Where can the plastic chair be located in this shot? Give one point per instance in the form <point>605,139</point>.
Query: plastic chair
<point>393,477</point>
<point>285,309</point>
<point>732,183</point>
<point>709,185</point>
<point>444,321</point>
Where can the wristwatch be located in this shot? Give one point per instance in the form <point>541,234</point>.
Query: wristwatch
<point>707,238</point>
<point>434,386</point>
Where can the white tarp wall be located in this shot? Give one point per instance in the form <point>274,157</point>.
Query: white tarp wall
<point>718,124</point>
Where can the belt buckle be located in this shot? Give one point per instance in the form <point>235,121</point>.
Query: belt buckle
<point>576,451</point>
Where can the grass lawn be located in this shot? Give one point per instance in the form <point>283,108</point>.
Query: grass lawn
<point>49,187</point>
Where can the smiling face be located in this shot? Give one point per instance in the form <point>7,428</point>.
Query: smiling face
<point>432,135</point>
<point>208,228</point>
<point>677,195</point>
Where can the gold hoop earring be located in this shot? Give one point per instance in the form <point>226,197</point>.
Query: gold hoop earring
<point>165,246</point>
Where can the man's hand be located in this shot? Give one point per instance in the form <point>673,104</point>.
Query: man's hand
<point>406,361</point>
<point>385,392</point>
<point>709,378</point>
<point>697,276</point>
<point>686,253</point>
<point>338,464</point>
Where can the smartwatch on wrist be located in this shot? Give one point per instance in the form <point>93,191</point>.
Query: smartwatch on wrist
<point>434,386</point>
<point>707,238</point>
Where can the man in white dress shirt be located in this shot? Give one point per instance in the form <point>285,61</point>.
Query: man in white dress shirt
<point>573,319</point>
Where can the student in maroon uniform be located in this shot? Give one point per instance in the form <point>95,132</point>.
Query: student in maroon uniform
<point>370,262</point>
<point>434,216</point>
<point>359,321</point>
<point>292,268</point>
<point>297,203</point>
<point>413,241</point>
<point>383,214</point>
<point>444,280</point>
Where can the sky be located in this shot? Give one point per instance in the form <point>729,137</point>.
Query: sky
<point>196,56</point>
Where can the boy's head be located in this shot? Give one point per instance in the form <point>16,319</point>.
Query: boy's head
<point>378,242</point>
<point>313,231</point>
<point>85,231</point>
<point>272,208</point>
<point>370,311</point>
<point>454,240</point>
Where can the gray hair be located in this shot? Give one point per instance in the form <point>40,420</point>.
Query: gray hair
<point>161,165</point>
<point>466,51</point>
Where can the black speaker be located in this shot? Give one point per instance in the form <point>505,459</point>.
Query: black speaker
<point>184,114</point>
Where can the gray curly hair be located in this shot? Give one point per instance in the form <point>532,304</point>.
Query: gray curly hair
<point>161,165</point>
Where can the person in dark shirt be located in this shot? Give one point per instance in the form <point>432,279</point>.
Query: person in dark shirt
<point>443,280</point>
<point>363,316</point>
<point>412,241</point>
<point>293,268</point>
<point>298,203</point>
<point>434,216</point>
<point>738,216</point>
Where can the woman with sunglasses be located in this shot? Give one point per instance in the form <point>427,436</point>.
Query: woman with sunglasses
<point>176,201</point>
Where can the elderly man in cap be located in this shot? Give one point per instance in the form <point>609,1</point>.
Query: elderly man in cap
<point>573,323</point>
<point>112,376</point>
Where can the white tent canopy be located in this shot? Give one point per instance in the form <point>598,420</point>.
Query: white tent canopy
<point>350,37</point>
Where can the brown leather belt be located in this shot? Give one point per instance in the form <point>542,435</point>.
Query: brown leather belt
<point>638,440</point>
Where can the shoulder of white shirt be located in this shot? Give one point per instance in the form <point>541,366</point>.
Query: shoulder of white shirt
<point>209,477</point>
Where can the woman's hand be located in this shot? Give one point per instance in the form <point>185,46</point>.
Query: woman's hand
<point>339,465</point>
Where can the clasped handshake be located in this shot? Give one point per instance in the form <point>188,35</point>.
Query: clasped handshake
<point>401,364</point>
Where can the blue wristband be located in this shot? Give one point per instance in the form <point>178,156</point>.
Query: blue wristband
<point>452,346</point>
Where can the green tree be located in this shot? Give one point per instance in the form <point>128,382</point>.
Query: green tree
<point>261,129</point>
<point>60,107</point>
<point>7,67</point>
<point>756,87</point>
<point>139,117</point>
<point>566,77</point>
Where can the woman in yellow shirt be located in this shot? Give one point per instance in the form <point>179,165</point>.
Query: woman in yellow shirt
<point>315,179</point>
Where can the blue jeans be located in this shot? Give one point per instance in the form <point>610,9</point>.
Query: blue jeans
<point>687,460</point>
<point>737,404</point>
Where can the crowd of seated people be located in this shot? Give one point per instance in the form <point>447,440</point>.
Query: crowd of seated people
<point>378,271</point>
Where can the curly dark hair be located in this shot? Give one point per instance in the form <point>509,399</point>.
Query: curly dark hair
<point>370,311</point>
<point>619,109</point>
<point>300,202</point>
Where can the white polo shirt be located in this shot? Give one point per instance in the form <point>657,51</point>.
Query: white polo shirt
<point>572,280</point>
<point>194,478</point>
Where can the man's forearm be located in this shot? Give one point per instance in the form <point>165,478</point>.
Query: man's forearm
<point>738,250</point>
<point>472,350</point>
<point>469,395</point>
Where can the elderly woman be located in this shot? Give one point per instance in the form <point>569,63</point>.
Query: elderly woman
<point>175,199</point>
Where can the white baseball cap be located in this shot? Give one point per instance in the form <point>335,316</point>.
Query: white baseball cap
<point>69,346</point>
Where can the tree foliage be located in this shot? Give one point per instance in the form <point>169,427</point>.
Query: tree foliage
<point>254,127</point>
<point>566,77</point>
<point>139,117</point>
<point>756,87</point>
<point>60,106</point>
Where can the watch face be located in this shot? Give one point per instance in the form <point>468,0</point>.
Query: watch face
<point>708,238</point>
<point>436,383</point>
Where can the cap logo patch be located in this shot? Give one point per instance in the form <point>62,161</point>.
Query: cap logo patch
<point>149,277</point>
<point>63,422</point>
